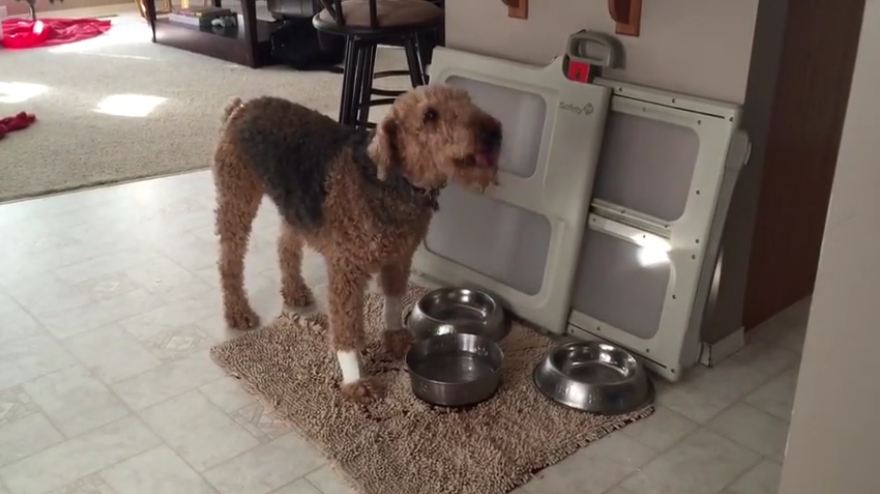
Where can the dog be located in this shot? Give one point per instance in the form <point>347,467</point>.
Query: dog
<point>362,200</point>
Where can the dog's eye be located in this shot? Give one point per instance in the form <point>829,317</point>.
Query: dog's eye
<point>430,115</point>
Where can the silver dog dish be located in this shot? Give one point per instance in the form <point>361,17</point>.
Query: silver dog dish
<point>455,369</point>
<point>594,377</point>
<point>458,310</point>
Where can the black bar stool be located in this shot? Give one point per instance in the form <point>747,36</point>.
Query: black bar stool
<point>366,24</point>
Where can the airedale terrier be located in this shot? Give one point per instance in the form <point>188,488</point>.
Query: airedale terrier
<point>362,200</point>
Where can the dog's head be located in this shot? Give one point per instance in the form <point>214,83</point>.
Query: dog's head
<point>434,134</point>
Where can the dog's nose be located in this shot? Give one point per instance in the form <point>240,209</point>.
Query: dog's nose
<point>490,137</point>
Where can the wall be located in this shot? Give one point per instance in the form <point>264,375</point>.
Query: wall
<point>701,47</point>
<point>833,438</point>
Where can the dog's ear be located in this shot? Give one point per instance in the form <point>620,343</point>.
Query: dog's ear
<point>383,149</point>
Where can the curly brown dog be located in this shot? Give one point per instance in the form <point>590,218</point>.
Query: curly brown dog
<point>363,201</point>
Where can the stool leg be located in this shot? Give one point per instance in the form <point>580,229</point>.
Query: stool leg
<point>348,81</point>
<point>361,51</point>
<point>416,70</point>
<point>367,86</point>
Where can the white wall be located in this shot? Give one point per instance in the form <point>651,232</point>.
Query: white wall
<point>835,435</point>
<point>701,47</point>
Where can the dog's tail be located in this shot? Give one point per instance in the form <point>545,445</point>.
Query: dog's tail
<point>231,107</point>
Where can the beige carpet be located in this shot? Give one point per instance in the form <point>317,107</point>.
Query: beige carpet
<point>74,144</point>
<point>400,445</point>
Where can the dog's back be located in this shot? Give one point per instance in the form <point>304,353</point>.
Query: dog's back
<point>289,148</point>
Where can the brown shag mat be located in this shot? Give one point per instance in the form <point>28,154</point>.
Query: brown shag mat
<point>401,445</point>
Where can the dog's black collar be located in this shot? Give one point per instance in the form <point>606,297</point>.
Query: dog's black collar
<point>397,181</point>
<point>428,197</point>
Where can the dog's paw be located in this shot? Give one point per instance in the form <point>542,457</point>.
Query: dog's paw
<point>243,319</point>
<point>396,343</point>
<point>362,391</point>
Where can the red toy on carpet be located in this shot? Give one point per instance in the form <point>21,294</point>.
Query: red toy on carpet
<point>21,33</point>
<point>21,121</point>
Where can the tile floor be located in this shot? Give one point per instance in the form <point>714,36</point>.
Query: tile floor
<point>109,304</point>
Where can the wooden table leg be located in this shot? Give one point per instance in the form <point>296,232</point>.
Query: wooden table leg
<point>150,8</point>
<point>249,11</point>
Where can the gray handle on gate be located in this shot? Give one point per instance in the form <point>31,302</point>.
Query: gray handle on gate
<point>595,48</point>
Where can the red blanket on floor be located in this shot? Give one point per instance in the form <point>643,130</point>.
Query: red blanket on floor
<point>20,33</point>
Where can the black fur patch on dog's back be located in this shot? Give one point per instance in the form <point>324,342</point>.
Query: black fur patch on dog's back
<point>290,147</point>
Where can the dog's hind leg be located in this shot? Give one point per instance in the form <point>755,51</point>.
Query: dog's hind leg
<point>346,299</point>
<point>238,199</point>
<point>290,252</point>
<point>393,279</point>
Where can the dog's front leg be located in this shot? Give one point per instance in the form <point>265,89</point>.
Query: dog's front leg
<point>346,298</point>
<point>393,279</point>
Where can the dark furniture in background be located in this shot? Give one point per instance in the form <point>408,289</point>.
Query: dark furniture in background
<point>416,25</point>
<point>247,44</point>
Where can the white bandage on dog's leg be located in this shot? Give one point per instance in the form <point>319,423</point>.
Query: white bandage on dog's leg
<point>393,309</point>
<point>349,364</point>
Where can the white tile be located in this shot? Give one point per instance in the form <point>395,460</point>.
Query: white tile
<point>75,401</point>
<point>158,470</point>
<point>595,468</point>
<point>45,294</point>
<point>26,265</point>
<point>329,482</point>
<point>78,457</point>
<point>165,316</point>
<point>753,428</point>
<point>26,436</point>
<point>766,359</point>
<point>188,250</point>
<point>661,430</point>
<point>198,431</point>
<point>301,486</point>
<point>763,479</point>
<point>95,315</point>
<point>777,396</point>
<point>161,275</point>
<point>259,419</point>
<point>27,358</point>
<point>266,467</point>
<point>15,322</point>
<point>111,354</point>
<point>90,484</point>
<point>168,380</point>
<point>227,393</point>
<point>619,490</point>
<point>704,463</point>
<point>15,403</point>
<point>104,265</point>
<point>174,343</point>
<point>704,393</point>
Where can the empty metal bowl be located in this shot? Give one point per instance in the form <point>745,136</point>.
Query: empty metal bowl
<point>454,369</point>
<point>458,310</point>
<point>594,377</point>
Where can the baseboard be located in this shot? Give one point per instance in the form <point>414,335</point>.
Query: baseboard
<point>713,353</point>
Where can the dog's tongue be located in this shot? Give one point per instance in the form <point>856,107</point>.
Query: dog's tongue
<point>486,160</point>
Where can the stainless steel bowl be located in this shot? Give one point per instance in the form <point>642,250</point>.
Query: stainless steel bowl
<point>454,369</point>
<point>458,310</point>
<point>594,377</point>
